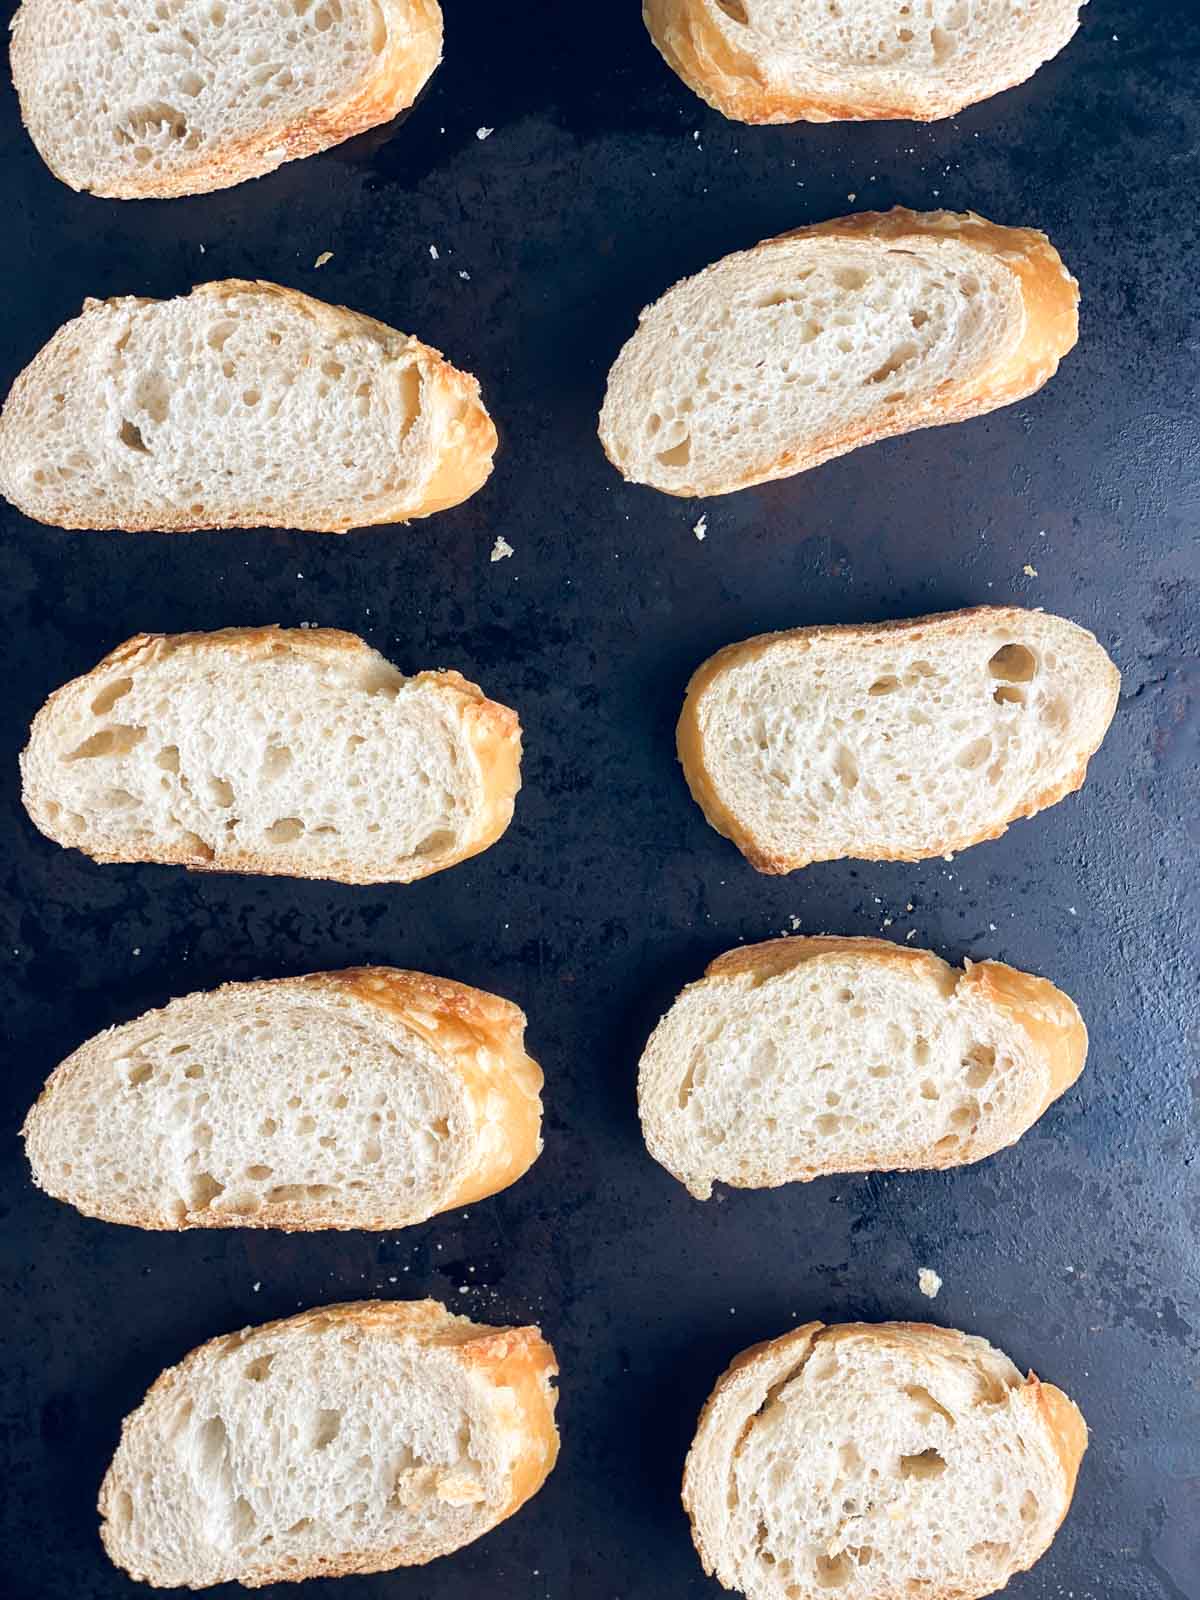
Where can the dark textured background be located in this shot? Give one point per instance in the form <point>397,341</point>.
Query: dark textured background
<point>1075,1252</point>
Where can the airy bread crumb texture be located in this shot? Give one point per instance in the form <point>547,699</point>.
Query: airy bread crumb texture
<point>875,1462</point>
<point>893,741</point>
<point>775,359</point>
<point>848,60</point>
<point>358,1438</point>
<point>297,752</point>
<point>802,1057</point>
<point>239,405</point>
<point>362,1099</point>
<point>132,98</point>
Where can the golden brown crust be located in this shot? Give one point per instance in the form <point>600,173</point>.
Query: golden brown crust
<point>733,81</point>
<point>480,1038</point>
<point>516,1362</point>
<point>1049,1019</point>
<point>741,1389</point>
<point>492,730</point>
<point>467,446</point>
<point>400,72</point>
<point>1049,329</point>
<point>689,738</point>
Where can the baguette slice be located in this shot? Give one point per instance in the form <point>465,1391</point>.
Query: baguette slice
<point>299,752</point>
<point>893,741</point>
<point>356,1438</point>
<point>779,358</point>
<point>876,1461</point>
<point>362,1099</point>
<point>813,61</point>
<point>801,1057</point>
<point>146,100</point>
<point>240,405</point>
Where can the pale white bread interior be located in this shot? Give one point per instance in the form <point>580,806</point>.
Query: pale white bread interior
<point>370,1098</point>
<point>893,741</point>
<point>300,752</point>
<point>776,359</point>
<point>135,99</point>
<point>801,1057</point>
<point>877,1462</point>
<point>239,405</point>
<point>853,60</point>
<point>357,1438</point>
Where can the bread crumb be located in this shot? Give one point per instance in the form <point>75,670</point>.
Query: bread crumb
<point>257,1287</point>
<point>911,934</point>
<point>795,922</point>
<point>465,276</point>
<point>1029,571</point>
<point>501,549</point>
<point>433,253</point>
<point>326,255</point>
<point>929,1282</point>
<point>701,528</point>
<point>484,133</point>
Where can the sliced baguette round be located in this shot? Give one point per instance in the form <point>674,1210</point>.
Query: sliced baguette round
<point>354,1438</point>
<point>300,752</point>
<point>893,741</point>
<point>878,1461</point>
<point>369,1098</point>
<point>813,61</point>
<point>776,359</point>
<point>146,101</point>
<point>239,405</point>
<point>801,1057</point>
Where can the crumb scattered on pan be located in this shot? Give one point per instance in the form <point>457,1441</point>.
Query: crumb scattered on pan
<point>501,549</point>
<point>911,934</point>
<point>465,276</point>
<point>484,133</point>
<point>257,1287</point>
<point>1029,570</point>
<point>701,528</point>
<point>326,255</point>
<point>928,1282</point>
<point>433,251</point>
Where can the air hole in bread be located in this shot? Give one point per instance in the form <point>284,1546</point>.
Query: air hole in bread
<point>846,767</point>
<point>974,754</point>
<point>980,1063</point>
<point>115,741</point>
<point>222,791</point>
<point>196,846</point>
<point>850,278</point>
<point>899,357</point>
<point>930,1090</point>
<point>989,1550</point>
<point>888,684</point>
<point>168,758</point>
<point>268,1126</point>
<point>139,1072</point>
<point>110,694</point>
<point>944,44</point>
<point>1009,695</point>
<point>286,831</point>
<point>927,1464</point>
<point>259,1368</point>
<point>1029,1506</point>
<point>735,10</point>
<point>433,844</point>
<point>202,1191</point>
<point>276,762</point>
<point>832,1572</point>
<point>259,1174</point>
<point>1013,663</point>
<point>678,455</point>
<point>122,1511</point>
<point>927,1406</point>
<point>118,800</point>
<point>130,435</point>
<point>918,317</point>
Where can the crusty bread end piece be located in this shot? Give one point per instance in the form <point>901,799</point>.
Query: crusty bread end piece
<point>893,741</point>
<point>878,1461</point>
<point>300,752</point>
<point>819,61</point>
<point>138,100</point>
<point>240,405</point>
<point>801,1057</point>
<point>351,1439</point>
<point>779,358</point>
<point>369,1098</point>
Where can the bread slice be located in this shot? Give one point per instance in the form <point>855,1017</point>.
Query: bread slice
<point>299,752</point>
<point>778,358</point>
<point>356,1438</point>
<point>369,1098</point>
<point>801,1057</point>
<point>240,405</point>
<point>893,741</point>
<point>878,1461</point>
<point>820,61</point>
<point>148,100</point>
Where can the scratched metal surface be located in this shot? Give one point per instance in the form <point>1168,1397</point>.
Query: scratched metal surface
<point>1076,1251</point>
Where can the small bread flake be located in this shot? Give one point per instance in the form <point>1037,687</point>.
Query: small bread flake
<point>1029,571</point>
<point>484,133</point>
<point>433,253</point>
<point>928,1282</point>
<point>326,255</point>
<point>465,276</point>
<point>501,549</point>
<point>701,528</point>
